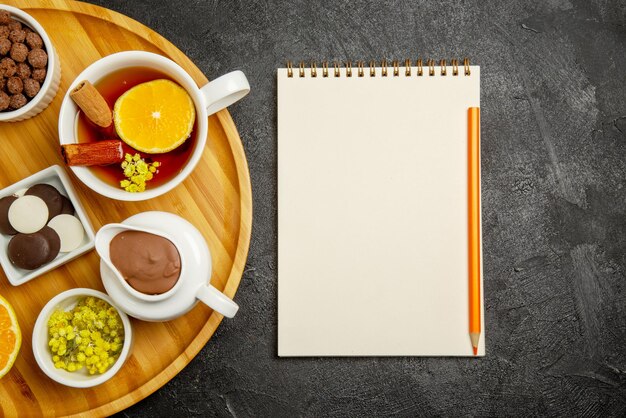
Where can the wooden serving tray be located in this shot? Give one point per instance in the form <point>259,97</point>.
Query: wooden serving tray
<point>216,198</point>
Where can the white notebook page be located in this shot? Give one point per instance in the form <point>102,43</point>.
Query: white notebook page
<point>372,214</point>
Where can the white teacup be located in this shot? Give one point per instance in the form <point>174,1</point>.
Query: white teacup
<point>212,97</point>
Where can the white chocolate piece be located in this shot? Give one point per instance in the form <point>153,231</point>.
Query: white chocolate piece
<point>28,214</point>
<point>70,230</point>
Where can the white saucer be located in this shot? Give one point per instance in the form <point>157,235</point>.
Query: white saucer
<point>197,258</point>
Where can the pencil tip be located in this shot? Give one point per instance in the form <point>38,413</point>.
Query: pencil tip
<point>475,350</point>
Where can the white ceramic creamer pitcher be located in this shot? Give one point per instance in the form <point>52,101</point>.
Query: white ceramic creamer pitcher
<point>193,284</point>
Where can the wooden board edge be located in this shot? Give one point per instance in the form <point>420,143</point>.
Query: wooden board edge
<point>245,229</point>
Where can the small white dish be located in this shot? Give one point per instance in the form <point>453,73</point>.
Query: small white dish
<point>79,379</point>
<point>56,177</point>
<point>50,85</point>
<point>195,273</point>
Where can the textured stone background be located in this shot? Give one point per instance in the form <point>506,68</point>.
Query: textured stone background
<point>554,139</point>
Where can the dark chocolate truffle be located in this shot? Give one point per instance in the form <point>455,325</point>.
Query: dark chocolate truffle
<point>38,58</point>
<point>5,17</point>
<point>5,46</point>
<point>50,196</point>
<point>34,41</point>
<point>7,67</point>
<point>5,225</point>
<point>29,251</point>
<point>67,208</point>
<point>14,25</point>
<point>15,85</point>
<point>31,87</point>
<point>53,240</point>
<point>39,74</point>
<point>17,101</point>
<point>19,52</point>
<point>23,71</point>
<point>5,100</point>
<point>17,36</point>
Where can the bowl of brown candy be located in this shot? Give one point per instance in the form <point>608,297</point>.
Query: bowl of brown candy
<point>30,71</point>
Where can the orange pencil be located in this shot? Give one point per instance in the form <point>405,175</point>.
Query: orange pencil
<point>473,163</point>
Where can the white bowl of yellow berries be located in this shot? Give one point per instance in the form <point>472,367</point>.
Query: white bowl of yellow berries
<point>81,339</point>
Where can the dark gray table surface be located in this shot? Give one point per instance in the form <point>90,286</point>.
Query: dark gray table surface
<point>554,224</point>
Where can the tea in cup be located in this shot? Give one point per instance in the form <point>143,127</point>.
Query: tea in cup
<point>103,85</point>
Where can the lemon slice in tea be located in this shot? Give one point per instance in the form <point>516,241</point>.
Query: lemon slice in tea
<point>154,117</point>
<point>10,336</point>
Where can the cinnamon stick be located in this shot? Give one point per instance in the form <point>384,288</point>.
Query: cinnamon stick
<point>91,102</point>
<point>93,153</point>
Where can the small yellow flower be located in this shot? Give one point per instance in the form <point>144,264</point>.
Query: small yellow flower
<point>137,172</point>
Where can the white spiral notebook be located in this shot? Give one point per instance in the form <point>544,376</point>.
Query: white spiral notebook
<point>373,210</point>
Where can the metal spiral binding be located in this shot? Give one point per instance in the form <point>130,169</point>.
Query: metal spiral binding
<point>395,66</point>
<point>431,67</point>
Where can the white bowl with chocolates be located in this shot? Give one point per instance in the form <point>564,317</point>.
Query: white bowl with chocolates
<point>42,225</point>
<point>30,70</point>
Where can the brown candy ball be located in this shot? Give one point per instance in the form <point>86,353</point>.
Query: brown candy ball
<point>19,52</point>
<point>4,32</point>
<point>5,46</point>
<point>17,101</point>
<point>34,41</point>
<point>5,17</point>
<point>39,74</point>
<point>23,71</point>
<point>17,35</point>
<point>7,67</point>
<point>38,58</point>
<point>31,87</point>
<point>14,25</point>
<point>15,85</point>
<point>4,100</point>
